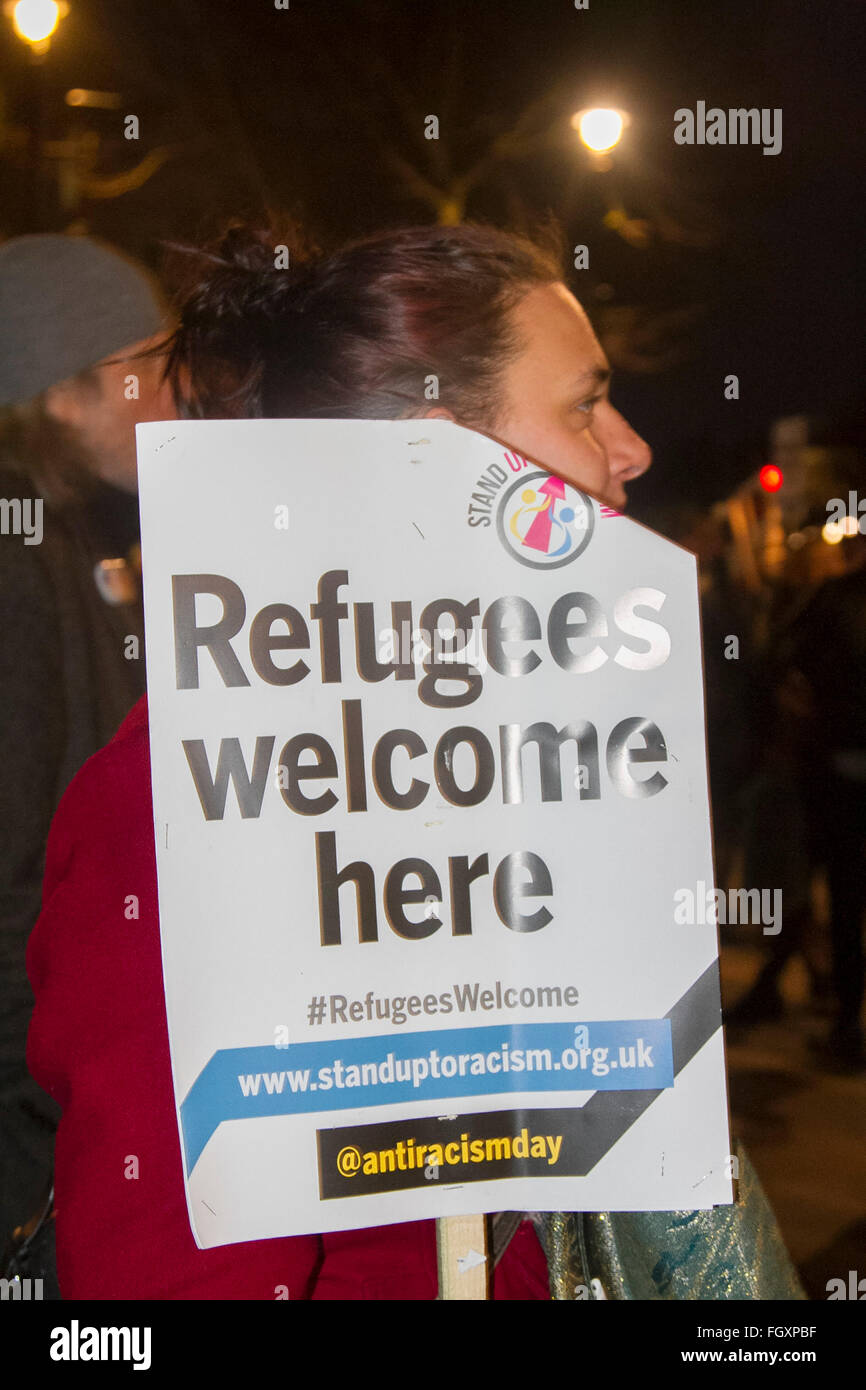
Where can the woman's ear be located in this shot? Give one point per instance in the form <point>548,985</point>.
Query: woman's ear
<point>438,413</point>
<point>63,402</point>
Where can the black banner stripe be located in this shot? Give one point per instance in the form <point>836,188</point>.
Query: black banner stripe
<point>585,1133</point>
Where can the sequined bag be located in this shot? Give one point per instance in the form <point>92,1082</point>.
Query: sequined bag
<point>727,1252</point>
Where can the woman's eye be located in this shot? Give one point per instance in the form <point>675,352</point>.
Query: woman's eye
<point>586,407</point>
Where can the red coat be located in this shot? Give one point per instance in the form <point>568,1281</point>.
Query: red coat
<point>98,1043</point>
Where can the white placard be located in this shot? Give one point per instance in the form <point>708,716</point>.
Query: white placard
<point>499,1009</point>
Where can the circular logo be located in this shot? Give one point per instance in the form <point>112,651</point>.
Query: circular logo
<point>543,521</point>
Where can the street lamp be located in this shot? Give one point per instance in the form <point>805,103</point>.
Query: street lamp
<point>35,21</point>
<point>600,128</point>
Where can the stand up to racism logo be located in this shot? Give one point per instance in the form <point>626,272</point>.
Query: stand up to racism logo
<point>544,522</point>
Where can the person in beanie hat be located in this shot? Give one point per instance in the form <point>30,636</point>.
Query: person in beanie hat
<point>75,314</point>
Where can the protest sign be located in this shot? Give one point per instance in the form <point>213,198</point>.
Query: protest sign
<point>418,890</point>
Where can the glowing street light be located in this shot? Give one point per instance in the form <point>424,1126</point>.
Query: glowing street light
<point>600,128</point>
<point>835,531</point>
<point>35,21</point>
<point>85,96</point>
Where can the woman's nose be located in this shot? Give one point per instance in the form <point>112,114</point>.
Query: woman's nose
<point>628,455</point>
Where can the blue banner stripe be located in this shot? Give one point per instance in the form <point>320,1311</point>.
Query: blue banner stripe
<point>353,1073</point>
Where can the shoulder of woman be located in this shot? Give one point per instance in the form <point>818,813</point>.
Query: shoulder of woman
<point>109,798</point>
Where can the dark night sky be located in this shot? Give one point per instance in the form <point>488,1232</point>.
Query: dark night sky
<point>300,109</point>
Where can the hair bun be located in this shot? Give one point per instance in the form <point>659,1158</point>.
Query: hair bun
<point>245,274</point>
<point>231,293</point>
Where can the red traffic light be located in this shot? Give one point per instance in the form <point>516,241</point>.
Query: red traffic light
<point>771,477</point>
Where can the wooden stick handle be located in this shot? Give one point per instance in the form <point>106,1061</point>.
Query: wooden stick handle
<point>462,1248</point>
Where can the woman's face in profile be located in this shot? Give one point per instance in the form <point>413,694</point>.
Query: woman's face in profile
<point>555,400</point>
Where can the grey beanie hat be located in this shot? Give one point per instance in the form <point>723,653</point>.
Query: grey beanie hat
<point>67,302</point>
